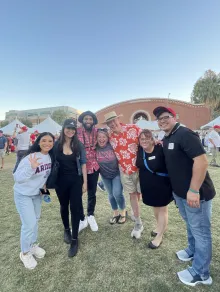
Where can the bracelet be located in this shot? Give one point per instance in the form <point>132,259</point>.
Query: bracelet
<point>193,191</point>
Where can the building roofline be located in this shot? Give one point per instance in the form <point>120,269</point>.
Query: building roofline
<point>43,108</point>
<point>149,99</point>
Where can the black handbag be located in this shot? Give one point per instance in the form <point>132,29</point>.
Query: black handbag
<point>52,178</point>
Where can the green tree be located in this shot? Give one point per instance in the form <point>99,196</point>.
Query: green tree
<point>207,90</point>
<point>4,123</point>
<point>27,123</point>
<point>59,116</point>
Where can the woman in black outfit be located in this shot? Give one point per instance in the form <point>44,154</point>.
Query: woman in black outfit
<point>154,182</point>
<point>71,182</point>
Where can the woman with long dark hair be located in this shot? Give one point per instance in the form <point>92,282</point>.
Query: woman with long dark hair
<point>71,182</point>
<point>30,176</point>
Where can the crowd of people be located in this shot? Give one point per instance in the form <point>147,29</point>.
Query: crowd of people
<point>129,160</point>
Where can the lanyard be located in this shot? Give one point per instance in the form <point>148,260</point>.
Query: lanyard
<point>147,167</point>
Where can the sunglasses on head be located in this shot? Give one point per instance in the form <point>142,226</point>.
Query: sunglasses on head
<point>102,130</point>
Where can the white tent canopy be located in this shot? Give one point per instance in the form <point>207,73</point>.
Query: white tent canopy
<point>212,123</point>
<point>47,125</point>
<point>9,129</point>
<point>150,125</point>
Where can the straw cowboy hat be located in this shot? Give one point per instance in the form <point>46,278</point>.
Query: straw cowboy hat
<point>111,116</point>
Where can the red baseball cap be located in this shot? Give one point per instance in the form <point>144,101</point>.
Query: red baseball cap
<point>216,127</point>
<point>24,128</point>
<point>36,132</point>
<point>162,109</point>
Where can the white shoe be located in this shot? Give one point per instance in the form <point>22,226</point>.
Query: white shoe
<point>92,223</point>
<point>136,232</point>
<point>28,260</point>
<point>37,251</point>
<point>83,224</point>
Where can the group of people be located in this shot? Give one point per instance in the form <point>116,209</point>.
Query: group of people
<point>128,160</point>
<point>19,142</point>
<point>211,141</point>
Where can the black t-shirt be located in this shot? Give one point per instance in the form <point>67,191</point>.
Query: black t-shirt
<point>155,160</point>
<point>68,164</point>
<point>180,147</point>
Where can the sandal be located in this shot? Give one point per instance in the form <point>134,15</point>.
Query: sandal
<point>114,219</point>
<point>120,221</point>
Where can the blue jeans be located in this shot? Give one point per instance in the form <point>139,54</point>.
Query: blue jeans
<point>198,224</point>
<point>115,192</point>
<point>29,209</point>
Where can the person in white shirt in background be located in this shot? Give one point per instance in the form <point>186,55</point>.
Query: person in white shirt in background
<point>207,143</point>
<point>31,176</point>
<point>214,139</point>
<point>23,138</point>
<point>161,135</point>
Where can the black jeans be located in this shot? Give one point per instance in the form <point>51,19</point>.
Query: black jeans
<point>92,180</point>
<point>20,155</point>
<point>69,192</point>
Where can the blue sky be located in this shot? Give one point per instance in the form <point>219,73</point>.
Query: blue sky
<point>89,54</point>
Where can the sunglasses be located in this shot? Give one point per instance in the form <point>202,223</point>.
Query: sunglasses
<point>102,130</point>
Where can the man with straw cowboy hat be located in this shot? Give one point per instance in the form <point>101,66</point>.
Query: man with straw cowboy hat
<point>124,140</point>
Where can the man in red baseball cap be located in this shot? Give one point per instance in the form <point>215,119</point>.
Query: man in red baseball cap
<point>214,140</point>
<point>193,192</point>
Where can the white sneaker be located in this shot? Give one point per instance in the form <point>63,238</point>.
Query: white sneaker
<point>83,224</point>
<point>37,251</point>
<point>28,260</point>
<point>92,223</point>
<point>136,232</point>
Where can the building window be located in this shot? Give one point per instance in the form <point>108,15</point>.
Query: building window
<point>177,116</point>
<point>138,116</point>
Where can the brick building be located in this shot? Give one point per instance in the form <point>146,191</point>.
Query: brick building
<point>191,115</point>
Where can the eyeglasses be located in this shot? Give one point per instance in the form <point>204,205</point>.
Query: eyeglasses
<point>165,118</point>
<point>102,130</point>
<point>145,139</point>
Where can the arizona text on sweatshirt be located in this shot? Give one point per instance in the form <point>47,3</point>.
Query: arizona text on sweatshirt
<point>28,181</point>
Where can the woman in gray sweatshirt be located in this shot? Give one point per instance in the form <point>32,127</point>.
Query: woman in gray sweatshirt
<point>30,177</point>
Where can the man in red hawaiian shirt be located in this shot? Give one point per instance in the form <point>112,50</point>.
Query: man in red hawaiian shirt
<point>87,134</point>
<point>124,140</point>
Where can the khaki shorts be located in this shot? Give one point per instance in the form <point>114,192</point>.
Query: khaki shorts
<point>2,153</point>
<point>130,182</point>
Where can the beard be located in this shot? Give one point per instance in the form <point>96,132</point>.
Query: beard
<point>88,127</point>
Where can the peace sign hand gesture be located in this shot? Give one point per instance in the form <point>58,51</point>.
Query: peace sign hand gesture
<point>34,161</point>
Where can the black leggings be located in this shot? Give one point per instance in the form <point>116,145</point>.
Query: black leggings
<point>69,191</point>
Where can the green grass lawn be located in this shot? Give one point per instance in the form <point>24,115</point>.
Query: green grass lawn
<point>108,260</point>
